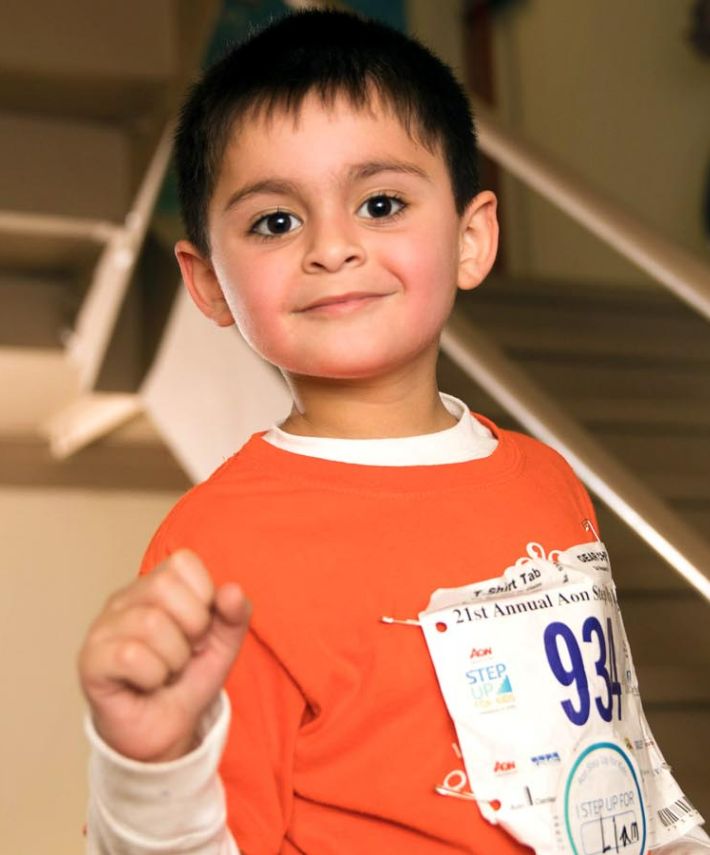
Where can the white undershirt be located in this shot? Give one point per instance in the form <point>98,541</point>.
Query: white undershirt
<point>468,439</point>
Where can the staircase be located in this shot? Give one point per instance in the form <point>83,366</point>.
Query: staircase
<point>633,367</point>
<point>86,88</point>
<point>82,102</point>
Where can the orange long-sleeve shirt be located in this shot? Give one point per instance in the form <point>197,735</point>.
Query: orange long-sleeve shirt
<point>339,733</point>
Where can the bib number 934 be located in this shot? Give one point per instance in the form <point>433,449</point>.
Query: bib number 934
<point>565,658</point>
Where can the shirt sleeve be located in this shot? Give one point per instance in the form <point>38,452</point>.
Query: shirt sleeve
<point>175,807</point>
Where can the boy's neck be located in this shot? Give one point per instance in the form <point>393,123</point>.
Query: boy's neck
<point>350,409</point>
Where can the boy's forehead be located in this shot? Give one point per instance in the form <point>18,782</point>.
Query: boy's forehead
<point>333,111</point>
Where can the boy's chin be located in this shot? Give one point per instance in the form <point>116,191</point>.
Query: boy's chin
<point>357,368</point>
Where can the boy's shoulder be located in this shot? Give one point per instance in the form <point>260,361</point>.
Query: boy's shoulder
<point>230,512</point>
<point>544,469</point>
<point>533,452</point>
<point>537,451</point>
<point>238,482</point>
<point>212,507</point>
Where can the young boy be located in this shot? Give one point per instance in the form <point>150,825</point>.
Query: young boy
<point>329,189</point>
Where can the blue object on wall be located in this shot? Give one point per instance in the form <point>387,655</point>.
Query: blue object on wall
<point>238,17</point>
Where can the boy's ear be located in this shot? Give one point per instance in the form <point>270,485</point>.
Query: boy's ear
<point>478,244</point>
<point>200,279</point>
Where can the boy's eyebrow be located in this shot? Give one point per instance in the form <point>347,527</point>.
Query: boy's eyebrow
<point>374,167</point>
<point>356,172</point>
<point>268,185</point>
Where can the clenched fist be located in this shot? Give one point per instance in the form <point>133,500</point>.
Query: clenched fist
<point>158,655</point>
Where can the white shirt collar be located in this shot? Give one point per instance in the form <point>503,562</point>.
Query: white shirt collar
<point>467,440</point>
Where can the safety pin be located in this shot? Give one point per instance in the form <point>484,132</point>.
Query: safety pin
<point>587,525</point>
<point>457,794</point>
<point>469,797</point>
<point>403,622</point>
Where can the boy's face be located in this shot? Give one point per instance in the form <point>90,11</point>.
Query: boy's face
<point>338,205</point>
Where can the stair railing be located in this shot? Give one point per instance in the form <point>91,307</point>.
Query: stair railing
<point>620,490</point>
<point>99,311</point>
<point>677,269</point>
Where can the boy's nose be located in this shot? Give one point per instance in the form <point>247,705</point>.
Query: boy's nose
<point>331,247</point>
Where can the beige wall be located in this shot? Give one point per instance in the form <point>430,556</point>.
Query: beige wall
<point>614,91</point>
<point>63,552</point>
<point>438,26</point>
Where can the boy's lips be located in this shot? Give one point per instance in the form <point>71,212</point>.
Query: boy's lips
<point>352,297</point>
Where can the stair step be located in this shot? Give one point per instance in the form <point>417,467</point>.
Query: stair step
<point>601,396</point>
<point>682,734</point>
<point>682,452</point>
<point>49,253</point>
<point>618,380</point>
<point>636,567</point>
<point>64,167</point>
<point>91,58</point>
<point>673,684</point>
<point>35,309</point>
<point>667,628</point>
<point>105,465</point>
<point>586,295</point>
<point>552,328</point>
<point>645,413</point>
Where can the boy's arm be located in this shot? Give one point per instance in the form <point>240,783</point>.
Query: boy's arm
<point>152,668</point>
<point>178,807</point>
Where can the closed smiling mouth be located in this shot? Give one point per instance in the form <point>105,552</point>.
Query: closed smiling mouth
<point>337,299</point>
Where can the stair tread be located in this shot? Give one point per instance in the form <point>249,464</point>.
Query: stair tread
<point>667,628</point>
<point>49,253</point>
<point>562,329</point>
<point>682,737</point>
<point>678,684</point>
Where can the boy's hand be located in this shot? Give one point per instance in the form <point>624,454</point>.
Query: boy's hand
<point>158,655</point>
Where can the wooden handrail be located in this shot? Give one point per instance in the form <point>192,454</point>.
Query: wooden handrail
<point>99,311</point>
<point>18,223</point>
<point>662,529</point>
<point>677,269</point>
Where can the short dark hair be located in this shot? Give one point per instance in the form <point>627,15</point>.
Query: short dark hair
<point>331,53</point>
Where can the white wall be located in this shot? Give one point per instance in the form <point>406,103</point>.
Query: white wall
<point>63,551</point>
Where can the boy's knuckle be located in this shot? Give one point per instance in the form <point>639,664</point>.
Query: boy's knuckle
<point>199,620</point>
<point>162,585</point>
<point>151,619</point>
<point>115,603</point>
<point>128,654</point>
<point>94,637</point>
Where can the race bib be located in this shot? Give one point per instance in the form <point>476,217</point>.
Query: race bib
<point>537,675</point>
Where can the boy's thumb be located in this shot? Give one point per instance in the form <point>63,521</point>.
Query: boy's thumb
<point>214,656</point>
<point>232,611</point>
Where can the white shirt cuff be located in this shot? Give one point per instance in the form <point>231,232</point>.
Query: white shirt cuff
<point>176,806</point>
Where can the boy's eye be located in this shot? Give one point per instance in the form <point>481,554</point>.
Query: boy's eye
<point>377,207</point>
<point>278,223</point>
